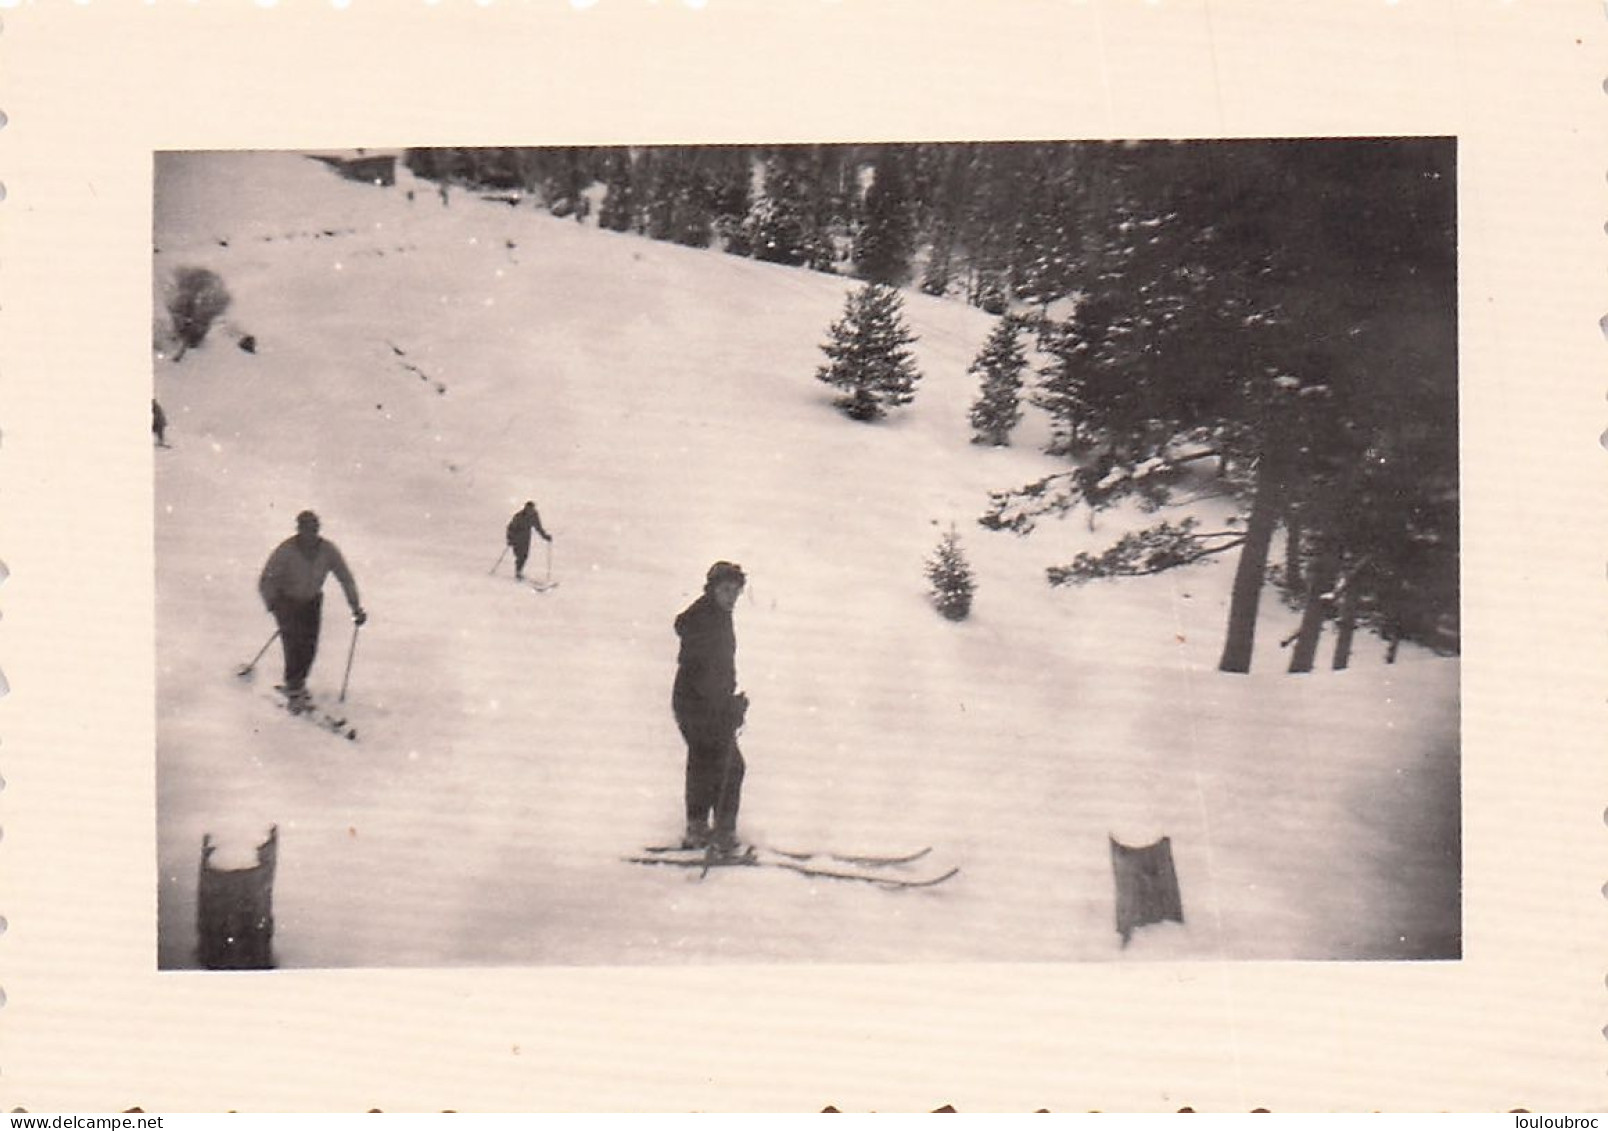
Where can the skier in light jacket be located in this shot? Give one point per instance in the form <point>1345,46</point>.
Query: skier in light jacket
<point>292,587</point>
<point>709,710</point>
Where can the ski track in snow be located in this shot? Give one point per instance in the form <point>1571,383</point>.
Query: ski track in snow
<point>421,371</point>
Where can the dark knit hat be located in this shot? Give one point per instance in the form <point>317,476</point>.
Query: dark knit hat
<point>725,571</point>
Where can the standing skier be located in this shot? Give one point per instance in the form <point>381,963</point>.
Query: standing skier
<point>709,710</point>
<point>292,586</point>
<point>158,424</point>
<point>519,527</point>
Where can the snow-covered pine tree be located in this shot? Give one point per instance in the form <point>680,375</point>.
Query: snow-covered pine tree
<point>951,576</point>
<point>869,361</point>
<point>886,240</point>
<point>999,366</point>
<point>1059,390</point>
<point>730,180</point>
<point>942,172</point>
<point>935,275</point>
<point>659,179</point>
<point>1048,241</point>
<point>695,223</point>
<point>779,225</point>
<point>618,211</point>
<point>830,180</point>
<point>674,194</point>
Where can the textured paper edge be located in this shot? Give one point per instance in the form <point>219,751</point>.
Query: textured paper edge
<point>89,91</point>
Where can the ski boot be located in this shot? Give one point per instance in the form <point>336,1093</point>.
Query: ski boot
<point>724,843</point>
<point>297,700</point>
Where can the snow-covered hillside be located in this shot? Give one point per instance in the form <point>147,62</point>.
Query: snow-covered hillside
<point>421,369</point>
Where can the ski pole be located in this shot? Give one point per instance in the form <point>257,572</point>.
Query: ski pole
<point>549,561</point>
<point>711,851</point>
<point>246,671</point>
<point>730,760</point>
<point>351,653</point>
<point>498,562</point>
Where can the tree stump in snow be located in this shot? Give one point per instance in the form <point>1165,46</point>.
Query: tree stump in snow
<point>1147,885</point>
<point>234,910</point>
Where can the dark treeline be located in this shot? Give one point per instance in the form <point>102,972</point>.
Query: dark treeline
<point>1273,322</point>
<point>1284,313</point>
<point>994,223</point>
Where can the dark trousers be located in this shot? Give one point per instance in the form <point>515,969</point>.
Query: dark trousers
<point>715,769</point>
<point>299,623</point>
<point>521,552</point>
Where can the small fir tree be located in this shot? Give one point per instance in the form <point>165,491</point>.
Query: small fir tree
<point>869,361</point>
<point>999,366</point>
<point>951,578</point>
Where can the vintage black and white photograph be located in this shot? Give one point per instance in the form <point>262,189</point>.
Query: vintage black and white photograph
<point>802,555</point>
<point>877,553</point>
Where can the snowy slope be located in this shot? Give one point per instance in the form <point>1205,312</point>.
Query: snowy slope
<point>423,369</point>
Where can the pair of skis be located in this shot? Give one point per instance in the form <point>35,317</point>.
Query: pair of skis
<point>541,585</point>
<point>301,707</point>
<point>319,716</point>
<point>887,872</point>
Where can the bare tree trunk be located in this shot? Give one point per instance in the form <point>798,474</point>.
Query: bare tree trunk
<point>1324,571</point>
<point>1240,642</point>
<point>1348,625</point>
<point>1292,546</point>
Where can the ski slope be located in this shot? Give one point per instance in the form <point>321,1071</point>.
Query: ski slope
<point>421,369</point>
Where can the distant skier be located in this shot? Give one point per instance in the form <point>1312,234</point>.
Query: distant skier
<point>158,424</point>
<point>709,710</point>
<point>292,586</point>
<point>519,527</point>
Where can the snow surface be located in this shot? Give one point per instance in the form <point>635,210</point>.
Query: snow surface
<point>421,370</point>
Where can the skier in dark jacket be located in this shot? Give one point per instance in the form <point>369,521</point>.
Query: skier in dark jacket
<point>519,527</point>
<point>709,710</point>
<point>292,586</point>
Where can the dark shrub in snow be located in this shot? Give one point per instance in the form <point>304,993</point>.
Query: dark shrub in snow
<point>195,300</point>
